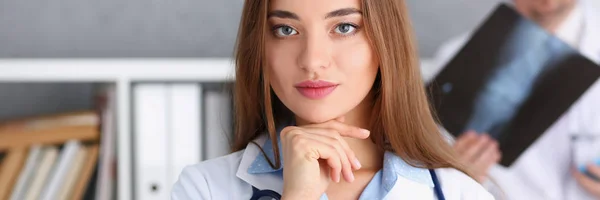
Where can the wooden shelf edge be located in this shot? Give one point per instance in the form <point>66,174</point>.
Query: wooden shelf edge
<point>54,136</point>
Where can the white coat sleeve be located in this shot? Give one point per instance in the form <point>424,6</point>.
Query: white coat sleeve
<point>192,184</point>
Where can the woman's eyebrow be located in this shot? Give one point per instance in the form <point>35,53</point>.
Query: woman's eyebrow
<point>283,14</point>
<point>336,13</point>
<point>343,12</point>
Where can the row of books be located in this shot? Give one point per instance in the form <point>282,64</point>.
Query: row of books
<point>49,172</point>
<point>60,156</point>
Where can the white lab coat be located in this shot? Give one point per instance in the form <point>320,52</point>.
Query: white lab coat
<point>227,178</point>
<point>543,170</point>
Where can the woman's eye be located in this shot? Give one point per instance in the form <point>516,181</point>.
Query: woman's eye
<point>345,29</point>
<point>284,31</point>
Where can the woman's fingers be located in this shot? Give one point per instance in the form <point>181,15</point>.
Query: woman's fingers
<point>343,129</point>
<point>317,144</point>
<point>341,119</point>
<point>326,141</point>
<point>346,155</point>
<point>313,150</point>
<point>317,149</point>
<point>339,139</point>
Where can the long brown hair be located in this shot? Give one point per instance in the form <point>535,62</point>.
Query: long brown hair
<point>401,119</point>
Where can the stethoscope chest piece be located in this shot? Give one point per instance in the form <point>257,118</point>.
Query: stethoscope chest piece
<point>264,194</point>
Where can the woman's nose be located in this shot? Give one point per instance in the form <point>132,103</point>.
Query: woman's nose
<point>316,52</point>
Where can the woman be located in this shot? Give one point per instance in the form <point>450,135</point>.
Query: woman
<point>329,104</point>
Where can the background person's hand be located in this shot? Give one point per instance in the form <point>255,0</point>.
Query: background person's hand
<point>316,154</point>
<point>590,185</point>
<point>478,152</point>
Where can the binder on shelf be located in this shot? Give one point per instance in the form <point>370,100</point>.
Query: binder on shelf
<point>218,123</point>
<point>150,141</point>
<point>184,128</point>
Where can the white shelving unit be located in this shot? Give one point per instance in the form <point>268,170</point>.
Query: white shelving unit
<point>123,73</point>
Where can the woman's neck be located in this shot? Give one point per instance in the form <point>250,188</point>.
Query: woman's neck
<point>370,157</point>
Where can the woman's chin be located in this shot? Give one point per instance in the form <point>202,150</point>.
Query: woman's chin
<point>316,117</point>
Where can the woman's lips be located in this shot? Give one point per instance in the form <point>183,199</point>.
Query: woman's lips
<point>315,89</point>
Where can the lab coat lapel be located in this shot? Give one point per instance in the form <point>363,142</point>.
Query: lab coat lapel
<point>266,181</point>
<point>408,189</point>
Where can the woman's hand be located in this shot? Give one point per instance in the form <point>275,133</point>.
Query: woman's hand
<point>316,154</point>
<point>479,152</point>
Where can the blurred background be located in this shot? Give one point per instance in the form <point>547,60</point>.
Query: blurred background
<point>125,60</point>
<point>179,29</point>
<point>202,28</point>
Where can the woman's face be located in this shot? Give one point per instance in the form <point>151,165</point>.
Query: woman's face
<point>320,61</point>
<point>543,9</point>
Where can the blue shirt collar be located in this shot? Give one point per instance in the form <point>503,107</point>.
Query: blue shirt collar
<point>261,165</point>
<point>382,183</point>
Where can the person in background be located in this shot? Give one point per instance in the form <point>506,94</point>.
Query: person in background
<point>546,170</point>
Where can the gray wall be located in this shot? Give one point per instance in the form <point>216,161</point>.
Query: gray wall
<point>118,28</point>
<point>30,99</point>
<point>436,21</point>
<point>178,28</point>
<point>153,28</point>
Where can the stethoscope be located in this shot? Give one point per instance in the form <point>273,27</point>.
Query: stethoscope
<point>272,195</point>
<point>264,194</point>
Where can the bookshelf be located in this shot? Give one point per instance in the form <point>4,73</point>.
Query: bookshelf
<point>123,74</point>
<point>119,70</point>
